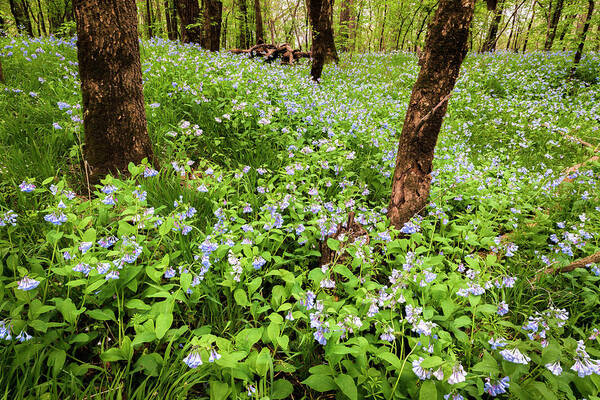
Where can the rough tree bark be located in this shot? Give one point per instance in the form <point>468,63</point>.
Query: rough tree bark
<point>492,36</point>
<point>114,117</point>
<point>171,18</point>
<point>260,29</point>
<point>189,14</point>
<point>346,24</point>
<point>323,46</point>
<point>244,33</point>
<point>586,27</point>
<point>553,25</point>
<point>213,13</point>
<point>445,48</point>
<point>21,16</point>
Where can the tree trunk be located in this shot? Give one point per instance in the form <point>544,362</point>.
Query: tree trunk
<point>43,30</point>
<point>149,19</point>
<point>512,32</point>
<point>529,25</point>
<point>586,27</point>
<point>553,25</point>
<point>323,47</point>
<point>114,117</point>
<point>416,44</point>
<point>189,14</point>
<point>171,18</point>
<point>445,49</point>
<point>346,22</point>
<point>492,36</point>
<point>21,16</point>
<point>213,13</point>
<point>382,38</point>
<point>260,29</point>
<point>244,34</point>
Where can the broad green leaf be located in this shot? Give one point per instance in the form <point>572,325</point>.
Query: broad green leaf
<point>320,383</point>
<point>240,298</point>
<point>281,389</point>
<point>346,384</point>
<point>218,390</point>
<point>163,323</point>
<point>428,391</point>
<point>113,354</point>
<point>102,315</point>
<point>431,362</point>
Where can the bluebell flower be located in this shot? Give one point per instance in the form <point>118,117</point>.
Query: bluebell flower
<point>458,374</point>
<point>27,283</point>
<point>555,368</point>
<point>193,359</point>
<point>419,371</point>
<point>8,218</point>
<point>497,343</point>
<point>213,356</point>
<point>258,262</point>
<point>23,337</point>
<point>102,268</point>
<point>112,275</point>
<point>83,268</point>
<point>497,388</point>
<point>84,247</point>
<point>502,308</point>
<point>27,187</point>
<point>515,356</point>
<point>150,172</point>
<point>5,331</point>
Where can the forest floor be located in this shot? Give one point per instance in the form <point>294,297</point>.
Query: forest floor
<point>203,278</point>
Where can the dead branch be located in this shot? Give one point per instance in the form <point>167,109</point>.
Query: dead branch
<point>581,263</point>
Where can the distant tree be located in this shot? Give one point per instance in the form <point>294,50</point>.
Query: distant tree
<point>323,46</point>
<point>260,29</point>
<point>190,16</point>
<point>586,27</point>
<point>171,19</point>
<point>212,15</point>
<point>445,48</point>
<point>346,24</point>
<point>492,35</point>
<point>243,18</point>
<point>149,19</point>
<point>20,12</point>
<point>114,117</point>
<point>529,25</point>
<point>553,25</point>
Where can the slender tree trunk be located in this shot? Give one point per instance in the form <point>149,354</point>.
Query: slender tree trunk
<point>114,117</point>
<point>553,25</point>
<point>421,28</point>
<point>244,34</point>
<point>399,32</point>
<point>345,22</point>
<point>382,38</point>
<point>224,34</point>
<point>445,49</point>
<point>213,12</point>
<point>586,27</point>
<point>43,30</point>
<point>323,48</point>
<point>412,20</point>
<point>260,30</point>
<point>171,18</point>
<point>189,13</point>
<point>529,25</point>
<point>492,36</point>
<point>149,19</point>
<point>510,35</point>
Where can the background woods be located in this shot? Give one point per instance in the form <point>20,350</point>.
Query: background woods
<point>358,25</point>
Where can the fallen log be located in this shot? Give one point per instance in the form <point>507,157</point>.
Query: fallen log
<point>581,263</point>
<point>271,52</point>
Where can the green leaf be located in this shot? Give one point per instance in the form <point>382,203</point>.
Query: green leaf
<point>89,235</point>
<point>392,359</point>
<point>163,323</point>
<point>113,354</point>
<point>431,362</point>
<point>218,390</point>
<point>185,280</point>
<point>281,389</point>
<point>57,360</point>
<point>263,361</point>
<point>333,244</point>
<point>346,384</point>
<point>137,304</point>
<point>320,383</point>
<point>68,309</point>
<point>428,391</point>
<point>95,286</point>
<point>39,325</point>
<point>551,353</point>
<point>102,315</point>
<point>462,321</point>
<point>240,298</point>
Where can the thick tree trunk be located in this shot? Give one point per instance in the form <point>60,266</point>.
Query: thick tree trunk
<point>260,29</point>
<point>21,16</point>
<point>492,36</point>
<point>323,47</point>
<point>445,49</point>
<point>213,13</point>
<point>346,24</point>
<point>189,14</point>
<point>586,27</point>
<point>553,25</point>
<point>171,18</point>
<point>529,25</point>
<point>114,117</point>
<point>149,19</point>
